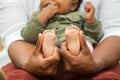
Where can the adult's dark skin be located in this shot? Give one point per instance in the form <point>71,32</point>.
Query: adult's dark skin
<point>87,63</point>
<point>21,54</point>
<point>22,57</point>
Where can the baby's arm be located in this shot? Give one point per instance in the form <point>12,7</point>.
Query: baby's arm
<point>32,29</point>
<point>93,27</point>
<point>37,24</point>
<point>94,30</point>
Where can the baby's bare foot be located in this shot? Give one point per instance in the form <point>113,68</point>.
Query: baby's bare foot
<point>48,42</point>
<point>72,40</point>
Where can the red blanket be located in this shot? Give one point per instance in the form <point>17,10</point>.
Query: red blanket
<point>17,74</point>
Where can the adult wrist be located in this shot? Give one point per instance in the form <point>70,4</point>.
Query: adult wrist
<point>99,65</point>
<point>96,66</point>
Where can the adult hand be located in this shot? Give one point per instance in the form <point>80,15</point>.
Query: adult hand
<point>39,65</point>
<point>81,64</point>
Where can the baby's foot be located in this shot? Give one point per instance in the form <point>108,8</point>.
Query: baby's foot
<point>72,40</point>
<point>48,42</point>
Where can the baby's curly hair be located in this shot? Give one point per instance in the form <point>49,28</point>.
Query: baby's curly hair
<point>79,2</point>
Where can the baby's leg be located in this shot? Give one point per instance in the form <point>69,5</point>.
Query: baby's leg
<point>72,40</point>
<point>48,42</point>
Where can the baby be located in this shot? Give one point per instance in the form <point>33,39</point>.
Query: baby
<point>59,21</point>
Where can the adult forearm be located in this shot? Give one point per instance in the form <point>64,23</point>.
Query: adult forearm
<point>20,52</point>
<point>107,53</point>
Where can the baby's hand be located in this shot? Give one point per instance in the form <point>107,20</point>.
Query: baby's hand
<point>89,12</point>
<point>48,12</point>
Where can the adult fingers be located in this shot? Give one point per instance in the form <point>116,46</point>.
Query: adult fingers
<point>84,47</point>
<point>56,55</point>
<point>52,59</point>
<point>66,54</point>
<point>52,69</point>
<point>39,43</point>
<point>52,62</point>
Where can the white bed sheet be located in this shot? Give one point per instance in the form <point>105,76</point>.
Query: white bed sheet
<point>4,58</point>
